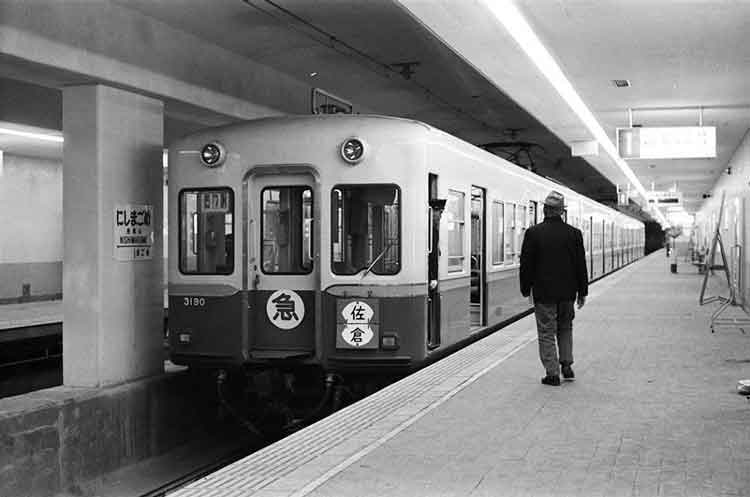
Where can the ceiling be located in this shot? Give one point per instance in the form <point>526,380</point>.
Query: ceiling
<point>452,66</point>
<point>678,55</point>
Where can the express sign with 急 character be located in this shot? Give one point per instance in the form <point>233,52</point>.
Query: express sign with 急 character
<point>285,309</point>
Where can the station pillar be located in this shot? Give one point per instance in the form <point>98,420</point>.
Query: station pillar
<point>112,230</point>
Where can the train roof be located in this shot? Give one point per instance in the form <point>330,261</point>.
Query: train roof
<point>351,123</point>
<point>324,122</point>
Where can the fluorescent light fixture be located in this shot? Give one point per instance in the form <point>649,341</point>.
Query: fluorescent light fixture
<point>28,134</point>
<point>511,18</point>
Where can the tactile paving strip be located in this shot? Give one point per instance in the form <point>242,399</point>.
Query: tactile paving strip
<point>305,460</point>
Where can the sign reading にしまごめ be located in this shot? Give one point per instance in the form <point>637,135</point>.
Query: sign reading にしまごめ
<point>134,232</point>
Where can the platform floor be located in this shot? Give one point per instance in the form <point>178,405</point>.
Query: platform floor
<point>30,314</point>
<point>653,411</point>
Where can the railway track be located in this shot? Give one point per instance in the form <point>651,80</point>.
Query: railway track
<point>198,473</point>
<point>30,358</point>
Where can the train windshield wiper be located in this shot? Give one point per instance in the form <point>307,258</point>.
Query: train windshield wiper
<point>375,261</point>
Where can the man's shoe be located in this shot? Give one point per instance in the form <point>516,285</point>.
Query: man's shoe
<point>553,380</point>
<point>568,373</point>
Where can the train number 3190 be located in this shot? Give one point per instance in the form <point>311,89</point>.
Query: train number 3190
<point>194,301</point>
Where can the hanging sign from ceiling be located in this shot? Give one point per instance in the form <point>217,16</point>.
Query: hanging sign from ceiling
<point>676,142</point>
<point>664,198</point>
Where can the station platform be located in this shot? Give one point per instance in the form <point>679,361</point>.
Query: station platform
<point>653,410</point>
<point>30,314</point>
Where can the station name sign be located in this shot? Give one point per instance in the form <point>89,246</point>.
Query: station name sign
<point>134,232</point>
<point>676,142</point>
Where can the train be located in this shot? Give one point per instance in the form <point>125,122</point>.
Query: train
<point>353,243</point>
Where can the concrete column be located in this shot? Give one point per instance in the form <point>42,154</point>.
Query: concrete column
<point>113,308</point>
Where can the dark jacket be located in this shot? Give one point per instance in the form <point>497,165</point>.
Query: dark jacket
<point>553,262</point>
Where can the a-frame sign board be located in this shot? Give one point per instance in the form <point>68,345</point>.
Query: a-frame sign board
<point>710,262</point>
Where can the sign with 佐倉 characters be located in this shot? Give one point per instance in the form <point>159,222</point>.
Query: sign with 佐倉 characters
<point>134,232</point>
<point>357,324</point>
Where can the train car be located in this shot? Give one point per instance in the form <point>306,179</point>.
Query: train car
<point>350,243</point>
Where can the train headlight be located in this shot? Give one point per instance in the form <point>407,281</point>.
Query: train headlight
<point>213,154</point>
<point>353,150</point>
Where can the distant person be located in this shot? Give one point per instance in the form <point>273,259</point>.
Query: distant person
<point>553,273</point>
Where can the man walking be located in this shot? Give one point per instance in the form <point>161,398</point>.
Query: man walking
<point>553,272</point>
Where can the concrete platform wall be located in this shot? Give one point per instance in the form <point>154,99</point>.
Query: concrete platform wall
<point>63,439</point>
<point>31,209</point>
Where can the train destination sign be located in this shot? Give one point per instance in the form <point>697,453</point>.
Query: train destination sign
<point>357,325</point>
<point>134,232</point>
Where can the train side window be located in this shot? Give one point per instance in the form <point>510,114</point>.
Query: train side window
<point>498,230</point>
<point>206,231</point>
<point>366,229</point>
<point>510,230</point>
<point>287,245</point>
<point>455,210</point>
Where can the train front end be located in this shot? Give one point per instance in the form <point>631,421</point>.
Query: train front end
<point>297,242</point>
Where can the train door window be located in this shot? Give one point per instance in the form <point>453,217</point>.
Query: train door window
<point>498,223</point>
<point>510,232</point>
<point>286,227</point>
<point>520,230</point>
<point>206,231</point>
<point>532,213</point>
<point>598,235</point>
<point>366,229</point>
<point>455,210</point>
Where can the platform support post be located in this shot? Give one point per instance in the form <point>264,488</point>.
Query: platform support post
<point>112,162</point>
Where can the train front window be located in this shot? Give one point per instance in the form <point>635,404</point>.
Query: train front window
<point>206,231</point>
<point>287,230</point>
<point>366,229</point>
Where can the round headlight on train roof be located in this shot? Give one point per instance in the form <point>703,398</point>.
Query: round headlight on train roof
<point>213,154</point>
<point>353,150</point>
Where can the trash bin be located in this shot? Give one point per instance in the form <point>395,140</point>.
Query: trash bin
<point>673,267</point>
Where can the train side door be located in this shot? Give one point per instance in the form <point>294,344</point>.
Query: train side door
<point>281,263</point>
<point>478,295</point>
<point>435,211</point>
<point>589,223</point>
<point>605,248</point>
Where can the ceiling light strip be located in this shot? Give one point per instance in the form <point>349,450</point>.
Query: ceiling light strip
<point>511,18</point>
<point>36,136</point>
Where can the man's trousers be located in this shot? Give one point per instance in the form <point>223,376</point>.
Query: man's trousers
<point>554,323</point>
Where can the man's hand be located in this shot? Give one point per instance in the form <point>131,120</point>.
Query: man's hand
<point>581,300</point>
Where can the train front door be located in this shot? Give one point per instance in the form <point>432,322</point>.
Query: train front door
<point>281,266</point>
